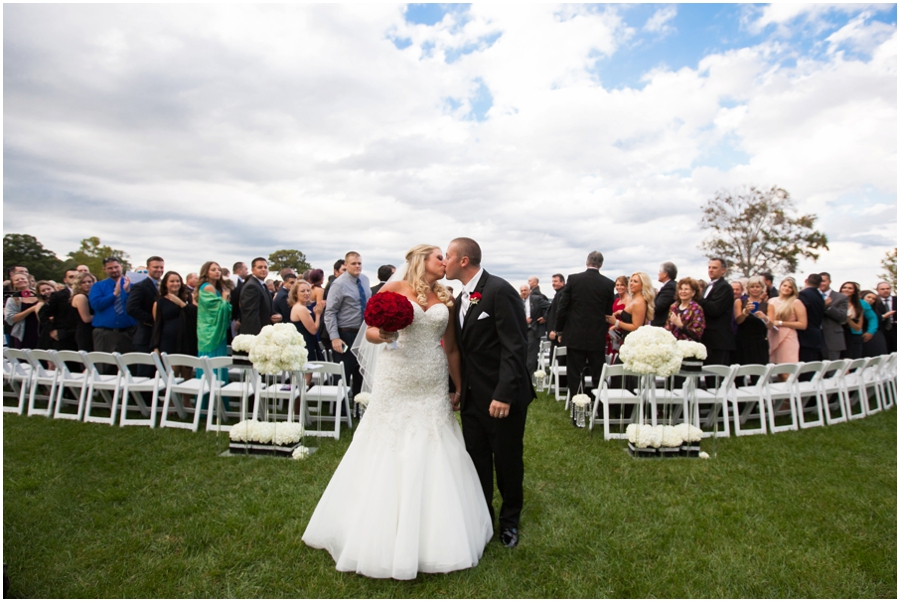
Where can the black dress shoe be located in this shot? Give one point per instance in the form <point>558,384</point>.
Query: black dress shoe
<point>509,537</point>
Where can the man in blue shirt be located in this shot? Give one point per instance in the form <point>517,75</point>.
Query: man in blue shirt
<point>113,327</point>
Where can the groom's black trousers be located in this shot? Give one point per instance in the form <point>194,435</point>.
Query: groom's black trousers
<point>497,442</point>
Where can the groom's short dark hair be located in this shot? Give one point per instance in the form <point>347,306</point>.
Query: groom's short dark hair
<point>468,248</point>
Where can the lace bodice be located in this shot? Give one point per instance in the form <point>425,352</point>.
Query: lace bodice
<point>411,383</point>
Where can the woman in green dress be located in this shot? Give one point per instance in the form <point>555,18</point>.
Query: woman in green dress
<point>213,314</point>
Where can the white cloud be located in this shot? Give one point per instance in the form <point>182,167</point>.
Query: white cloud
<point>659,21</point>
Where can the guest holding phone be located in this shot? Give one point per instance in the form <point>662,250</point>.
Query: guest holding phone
<point>752,337</point>
<point>21,313</point>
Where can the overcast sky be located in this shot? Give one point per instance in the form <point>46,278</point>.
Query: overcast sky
<point>543,131</point>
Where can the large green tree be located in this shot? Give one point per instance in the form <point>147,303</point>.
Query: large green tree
<point>26,250</point>
<point>889,264</point>
<point>756,231</point>
<point>288,258</point>
<point>92,253</point>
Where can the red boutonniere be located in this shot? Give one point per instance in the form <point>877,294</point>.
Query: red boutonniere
<point>474,298</point>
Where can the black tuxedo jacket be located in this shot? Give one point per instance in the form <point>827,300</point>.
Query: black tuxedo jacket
<point>585,302</point>
<point>718,309</point>
<point>280,304</point>
<point>376,288</point>
<point>664,300</point>
<point>891,323</point>
<point>554,309</point>
<point>812,336</point>
<point>62,316</point>
<point>140,307</point>
<point>540,305</point>
<point>492,344</point>
<point>256,307</point>
<point>236,299</point>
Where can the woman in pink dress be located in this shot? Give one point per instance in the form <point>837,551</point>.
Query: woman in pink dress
<point>786,315</point>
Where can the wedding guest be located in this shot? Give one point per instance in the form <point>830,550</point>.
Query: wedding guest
<point>769,280</point>
<point>190,281</point>
<point>786,315</point>
<point>614,336</point>
<point>666,295</point>
<point>718,308</point>
<point>875,344</point>
<point>174,318</point>
<point>535,307</point>
<point>751,340</point>
<point>62,316</point>
<point>889,318</point>
<point>306,321</point>
<point>834,319</point>
<point>256,300</point>
<point>140,307</point>
<point>44,289</point>
<point>810,338</point>
<point>339,268</point>
<point>280,302</point>
<point>315,278</point>
<point>557,282</point>
<point>239,278</point>
<point>21,313</point>
<point>113,327</point>
<point>853,328</point>
<point>83,269</point>
<point>384,274</point>
<point>84,327</point>
<point>270,286</point>
<point>213,311</point>
<point>685,318</point>
<point>344,314</point>
<point>737,289</point>
<point>640,310</point>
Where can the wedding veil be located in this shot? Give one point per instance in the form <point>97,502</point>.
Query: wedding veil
<point>367,353</point>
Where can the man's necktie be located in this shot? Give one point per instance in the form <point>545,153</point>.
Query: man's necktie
<point>362,299</point>
<point>120,299</point>
<point>464,307</point>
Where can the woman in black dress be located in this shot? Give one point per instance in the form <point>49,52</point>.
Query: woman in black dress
<point>84,327</point>
<point>21,313</point>
<point>174,318</point>
<point>752,332</point>
<point>306,321</point>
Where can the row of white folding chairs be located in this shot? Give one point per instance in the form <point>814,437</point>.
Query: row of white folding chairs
<point>25,373</point>
<point>761,393</point>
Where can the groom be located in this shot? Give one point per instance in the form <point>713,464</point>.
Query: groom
<point>496,388</point>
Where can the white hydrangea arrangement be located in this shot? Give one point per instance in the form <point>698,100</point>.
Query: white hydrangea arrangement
<point>691,349</point>
<point>651,350</point>
<point>300,453</point>
<point>644,435</point>
<point>278,433</point>
<point>362,398</point>
<point>277,348</point>
<point>581,400</point>
<point>540,374</point>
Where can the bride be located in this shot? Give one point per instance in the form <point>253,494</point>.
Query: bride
<point>406,497</point>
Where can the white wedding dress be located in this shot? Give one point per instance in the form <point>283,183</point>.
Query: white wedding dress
<point>405,497</point>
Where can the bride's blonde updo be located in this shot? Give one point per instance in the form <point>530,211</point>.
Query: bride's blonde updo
<point>415,276</point>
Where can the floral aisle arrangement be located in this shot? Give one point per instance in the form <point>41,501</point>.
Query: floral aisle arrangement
<point>276,349</point>
<point>651,350</point>
<point>362,402</point>
<point>540,380</point>
<point>581,408</point>
<point>679,440</point>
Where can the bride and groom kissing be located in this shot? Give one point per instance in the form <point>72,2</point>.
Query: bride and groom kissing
<point>413,492</point>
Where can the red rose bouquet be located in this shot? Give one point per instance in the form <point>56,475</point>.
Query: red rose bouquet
<point>389,311</point>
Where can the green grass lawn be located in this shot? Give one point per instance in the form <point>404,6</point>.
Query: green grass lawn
<point>92,511</point>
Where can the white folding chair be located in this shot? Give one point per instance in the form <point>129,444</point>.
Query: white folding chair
<point>274,393</point>
<point>72,379</point>
<point>41,376</point>
<point>888,379</point>
<point>133,386</point>
<point>557,370</point>
<point>809,396</point>
<point>871,381</point>
<point>103,384</point>
<point>337,396</point>
<point>176,387</point>
<point>18,377</point>
<point>854,389</point>
<point>831,388</point>
<point>241,388</point>
<point>606,397</point>
<point>752,396</point>
<point>781,392</point>
<point>716,400</point>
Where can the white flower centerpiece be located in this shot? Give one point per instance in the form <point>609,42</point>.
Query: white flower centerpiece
<point>661,440</point>
<point>581,408</point>
<point>361,400</point>
<point>277,349</point>
<point>540,380</point>
<point>651,350</point>
<point>692,355</point>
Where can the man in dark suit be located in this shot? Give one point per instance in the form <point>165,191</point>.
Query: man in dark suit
<point>811,338</point>
<point>718,308</point>
<point>581,321</point>
<point>836,306</point>
<point>63,317</point>
<point>256,301</point>
<point>241,272</point>
<point>280,303</point>
<point>558,282</point>
<point>769,279</point>
<point>535,306</point>
<point>888,324</point>
<point>384,274</point>
<point>666,295</point>
<point>495,386</point>
<point>140,307</point>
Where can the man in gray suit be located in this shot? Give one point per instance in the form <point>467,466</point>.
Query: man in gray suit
<point>835,316</point>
